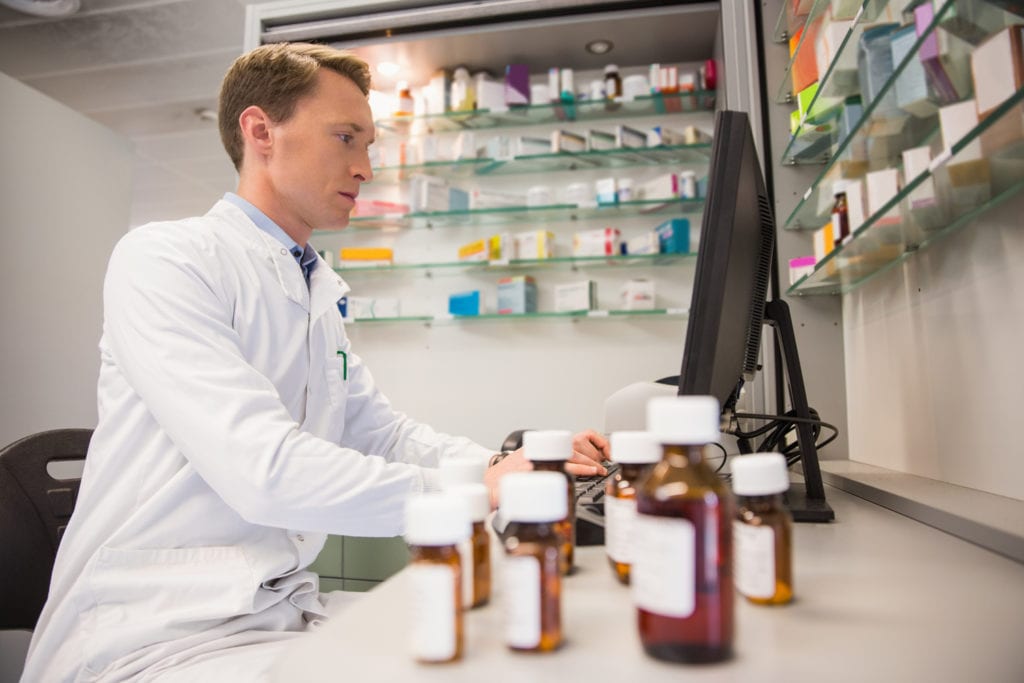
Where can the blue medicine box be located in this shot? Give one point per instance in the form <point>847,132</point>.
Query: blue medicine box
<point>464,303</point>
<point>674,236</point>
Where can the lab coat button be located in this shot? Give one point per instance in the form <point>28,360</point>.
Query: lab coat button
<point>284,251</point>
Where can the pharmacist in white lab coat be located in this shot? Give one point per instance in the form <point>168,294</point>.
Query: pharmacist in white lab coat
<point>237,426</point>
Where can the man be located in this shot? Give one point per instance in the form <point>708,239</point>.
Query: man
<point>237,427</point>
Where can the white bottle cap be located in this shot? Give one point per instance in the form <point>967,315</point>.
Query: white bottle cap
<point>759,474</point>
<point>547,444</point>
<point>534,497</point>
<point>689,420</point>
<point>436,519</point>
<point>635,448</point>
<point>461,469</point>
<point>476,498</point>
<point>611,68</point>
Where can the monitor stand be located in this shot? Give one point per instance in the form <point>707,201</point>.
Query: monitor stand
<point>806,502</point>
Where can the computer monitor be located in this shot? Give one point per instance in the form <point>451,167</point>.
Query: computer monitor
<point>729,305</point>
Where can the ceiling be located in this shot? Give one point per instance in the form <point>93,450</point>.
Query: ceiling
<point>145,68</point>
<point>142,68</point>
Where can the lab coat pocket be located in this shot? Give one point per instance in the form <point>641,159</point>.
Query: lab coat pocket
<point>148,596</point>
<point>337,378</point>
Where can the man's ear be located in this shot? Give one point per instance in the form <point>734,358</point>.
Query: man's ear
<point>256,127</point>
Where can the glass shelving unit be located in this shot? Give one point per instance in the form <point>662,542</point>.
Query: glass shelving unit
<point>567,262</point>
<point>521,214</point>
<point>903,226</point>
<point>539,114</point>
<point>548,163</point>
<point>862,148</point>
<point>817,140</point>
<point>660,313</point>
<point>785,28</point>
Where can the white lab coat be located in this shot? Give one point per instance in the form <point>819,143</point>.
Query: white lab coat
<point>215,471</point>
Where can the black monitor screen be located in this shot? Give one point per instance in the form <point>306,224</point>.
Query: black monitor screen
<point>734,259</point>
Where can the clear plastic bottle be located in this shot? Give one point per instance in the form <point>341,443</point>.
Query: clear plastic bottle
<point>549,450</point>
<point>612,82</point>
<point>476,550</point>
<point>531,576</point>
<point>682,565</point>
<point>762,529</point>
<point>636,453</point>
<point>435,524</point>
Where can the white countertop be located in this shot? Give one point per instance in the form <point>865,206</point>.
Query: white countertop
<point>880,597</point>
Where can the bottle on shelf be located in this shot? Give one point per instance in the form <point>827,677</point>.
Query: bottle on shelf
<point>405,102</point>
<point>612,82</point>
<point>435,524</point>
<point>549,451</point>
<point>840,213</point>
<point>462,97</point>
<point>682,563</point>
<point>636,453</point>
<point>533,504</point>
<point>762,529</point>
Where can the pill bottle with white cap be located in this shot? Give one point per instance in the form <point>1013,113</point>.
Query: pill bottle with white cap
<point>762,529</point>
<point>635,452</point>
<point>549,450</point>
<point>682,566</point>
<point>475,551</point>
<point>531,579</point>
<point>435,525</point>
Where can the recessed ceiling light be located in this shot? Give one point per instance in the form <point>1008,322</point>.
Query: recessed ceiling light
<point>600,47</point>
<point>44,8</point>
<point>388,69</point>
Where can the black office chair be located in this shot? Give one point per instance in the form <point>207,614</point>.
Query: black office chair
<point>34,511</point>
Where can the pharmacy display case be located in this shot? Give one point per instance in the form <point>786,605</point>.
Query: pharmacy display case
<point>917,107</point>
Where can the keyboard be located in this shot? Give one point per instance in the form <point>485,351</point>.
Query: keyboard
<point>590,507</point>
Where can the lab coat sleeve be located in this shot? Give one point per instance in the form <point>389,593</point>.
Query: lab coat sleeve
<point>167,321</point>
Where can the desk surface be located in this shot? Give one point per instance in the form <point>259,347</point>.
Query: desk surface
<point>878,594</point>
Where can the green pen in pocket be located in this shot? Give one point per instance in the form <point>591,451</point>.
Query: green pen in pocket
<point>344,364</point>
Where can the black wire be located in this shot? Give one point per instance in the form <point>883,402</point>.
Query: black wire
<point>725,456</point>
<point>777,429</point>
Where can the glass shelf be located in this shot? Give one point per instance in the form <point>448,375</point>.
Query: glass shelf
<point>548,163</point>
<point>863,147</point>
<point>539,114</point>
<point>573,262</point>
<point>817,137</point>
<point>981,171</point>
<point>788,26</point>
<point>522,214</point>
<point>664,313</point>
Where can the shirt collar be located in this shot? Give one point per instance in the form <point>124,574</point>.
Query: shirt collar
<point>306,257</point>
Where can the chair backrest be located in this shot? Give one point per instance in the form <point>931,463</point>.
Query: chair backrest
<point>34,511</point>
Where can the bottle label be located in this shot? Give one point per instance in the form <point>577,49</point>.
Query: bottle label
<point>466,561</point>
<point>664,565</point>
<point>754,559</point>
<point>433,601</point>
<point>619,519</point>
<point>522,601</point>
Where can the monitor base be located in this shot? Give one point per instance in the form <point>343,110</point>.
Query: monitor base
<point>806,509</point>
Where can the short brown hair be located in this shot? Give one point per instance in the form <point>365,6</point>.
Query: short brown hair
<point>274,77</point>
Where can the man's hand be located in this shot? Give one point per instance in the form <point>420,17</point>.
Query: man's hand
<point>590,449</point>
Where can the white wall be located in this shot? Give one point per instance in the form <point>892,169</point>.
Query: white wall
<point>484,379</point>
<point>65,193</point>
<point>933,360</point>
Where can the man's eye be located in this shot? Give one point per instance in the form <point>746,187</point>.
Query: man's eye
<point>345,137</point>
